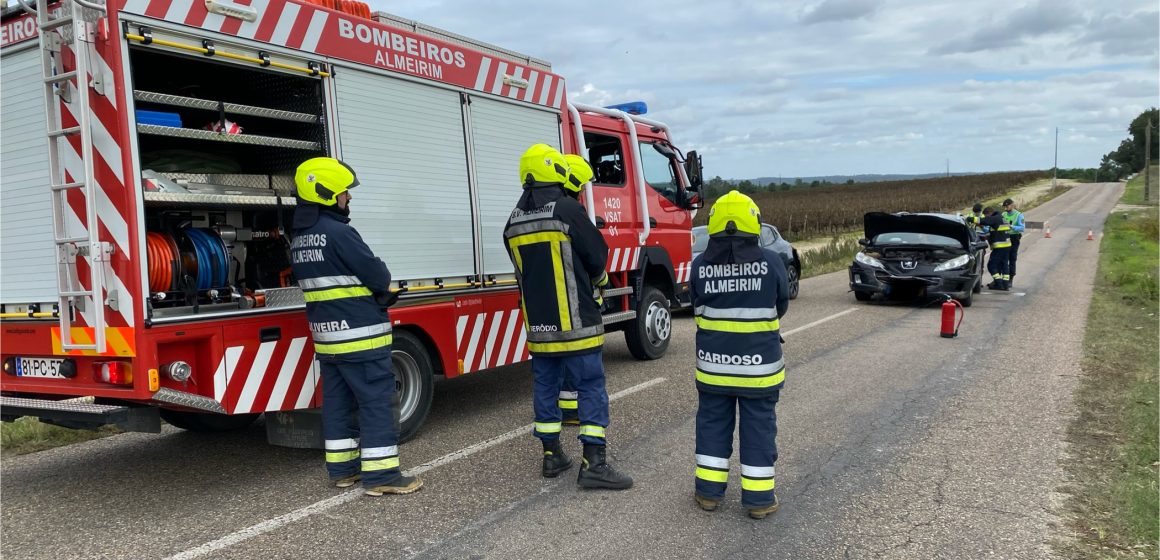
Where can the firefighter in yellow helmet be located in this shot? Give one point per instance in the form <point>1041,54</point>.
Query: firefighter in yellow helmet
<point>579,174</point>
<point>559,258</point>
<point>346,288</point>
<point>739,294</point>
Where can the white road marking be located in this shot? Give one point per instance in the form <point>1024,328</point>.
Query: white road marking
<point>351,495</point>
<point>819,321</point>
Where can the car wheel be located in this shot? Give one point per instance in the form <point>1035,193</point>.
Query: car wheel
<point>648,335</point>
<point>978,286</point>
<point>794,280</point>
<point>968,300</point>
<point>207,422</point>
<point>862,296</point>
<point>414,383</point>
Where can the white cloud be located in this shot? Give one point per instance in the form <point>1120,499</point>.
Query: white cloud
<point>839,10</point>
<point>848,86</point>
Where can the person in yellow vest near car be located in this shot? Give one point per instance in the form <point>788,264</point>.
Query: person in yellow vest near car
<point>739,294</point>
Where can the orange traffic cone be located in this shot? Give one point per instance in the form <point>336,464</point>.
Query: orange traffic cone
<point>1046,230</point>
<point>1090,236</point>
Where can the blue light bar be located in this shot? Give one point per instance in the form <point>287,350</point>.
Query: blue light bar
<point>632,107</point>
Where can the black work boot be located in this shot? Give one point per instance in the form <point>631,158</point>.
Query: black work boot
<point>595,472</point>
<point>555,460</point>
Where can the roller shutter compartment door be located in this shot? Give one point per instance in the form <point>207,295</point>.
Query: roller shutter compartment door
<point>27,253</point>
<point>405,141</point>
<point>501,132</point>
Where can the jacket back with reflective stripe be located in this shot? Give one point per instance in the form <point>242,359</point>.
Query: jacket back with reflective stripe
<point>557,254</point>
<point>998,231</point>
<point>339,277</point>
<point>738,325</point>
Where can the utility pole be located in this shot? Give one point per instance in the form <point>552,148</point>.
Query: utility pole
<point>1147,159</point>
<point>948,167</point>
<point>1055,168</point>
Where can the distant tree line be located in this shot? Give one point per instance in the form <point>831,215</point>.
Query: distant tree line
<point>1085,174</point>
<point>717,186</point>
<point>1129,157</point>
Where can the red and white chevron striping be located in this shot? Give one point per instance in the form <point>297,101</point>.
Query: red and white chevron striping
<point>492,339</point>
<point>620,260</point>
<point>278,375</point>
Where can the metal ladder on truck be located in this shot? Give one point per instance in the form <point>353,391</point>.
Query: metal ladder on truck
<point>74,27</point>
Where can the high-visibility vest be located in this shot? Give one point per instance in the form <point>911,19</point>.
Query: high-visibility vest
<point>1014,219</point>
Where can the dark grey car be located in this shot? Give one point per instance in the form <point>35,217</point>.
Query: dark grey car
<point>918,256</point>
<point>770,239</point>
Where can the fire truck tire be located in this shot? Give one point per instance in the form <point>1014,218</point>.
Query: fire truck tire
<point>207,422</point>
<point>648,335</point>
<point>414,382</point>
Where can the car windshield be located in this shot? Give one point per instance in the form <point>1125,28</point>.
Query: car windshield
<point>700,240</point>
<point>910,238</point>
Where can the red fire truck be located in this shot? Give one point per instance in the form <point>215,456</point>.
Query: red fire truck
<point>147,151</point>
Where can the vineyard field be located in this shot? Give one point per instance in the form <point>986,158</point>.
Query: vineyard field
<point>811,212</point>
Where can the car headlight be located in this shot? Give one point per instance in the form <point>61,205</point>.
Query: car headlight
<point>868,260</point>
<point>957,262</point>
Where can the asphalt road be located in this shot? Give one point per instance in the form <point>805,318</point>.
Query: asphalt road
<point>894,443</point>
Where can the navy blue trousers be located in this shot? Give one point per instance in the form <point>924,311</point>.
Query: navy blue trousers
<point>587,372</point>
<point>716,416</point>
<point>1013,256</point>
<point>369,446</point>
<point>1000,265</point>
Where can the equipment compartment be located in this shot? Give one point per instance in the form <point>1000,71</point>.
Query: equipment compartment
<point>218,188</point>
<point>246,119</point>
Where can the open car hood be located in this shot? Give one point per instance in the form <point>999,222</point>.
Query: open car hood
<point>877,223</point>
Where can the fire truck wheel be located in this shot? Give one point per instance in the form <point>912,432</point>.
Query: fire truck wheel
<point>414,382</point>
<point>648,335</point>
<point>207,422</point>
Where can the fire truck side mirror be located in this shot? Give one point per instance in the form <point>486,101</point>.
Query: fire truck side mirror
<point>695,196</point>
<point>693,169</point>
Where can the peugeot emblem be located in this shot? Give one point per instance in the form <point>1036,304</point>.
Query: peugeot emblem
<point>909,265</point>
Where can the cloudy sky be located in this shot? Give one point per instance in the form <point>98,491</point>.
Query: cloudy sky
<point>819,87</point>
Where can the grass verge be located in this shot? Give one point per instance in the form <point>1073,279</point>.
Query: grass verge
<point>1113,499</point>
<point>28,435</point>
<point>1134,192</point>
<point>832,257</point>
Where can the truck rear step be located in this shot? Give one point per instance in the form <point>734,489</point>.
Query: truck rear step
<point>78,413</point>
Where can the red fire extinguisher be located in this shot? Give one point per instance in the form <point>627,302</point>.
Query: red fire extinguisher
<point>949,328</point>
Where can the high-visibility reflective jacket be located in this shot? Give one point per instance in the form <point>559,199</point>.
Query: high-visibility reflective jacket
<point>1014,219</point>
<point>739,293</point>
<point>344,284</point>
<point>559,257</point>
<point>997,230</point>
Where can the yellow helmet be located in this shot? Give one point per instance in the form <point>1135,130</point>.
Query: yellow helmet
<point>542,165</point>
<point>737,209</point>
<point>320,180</point>
<point>579,172</point>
